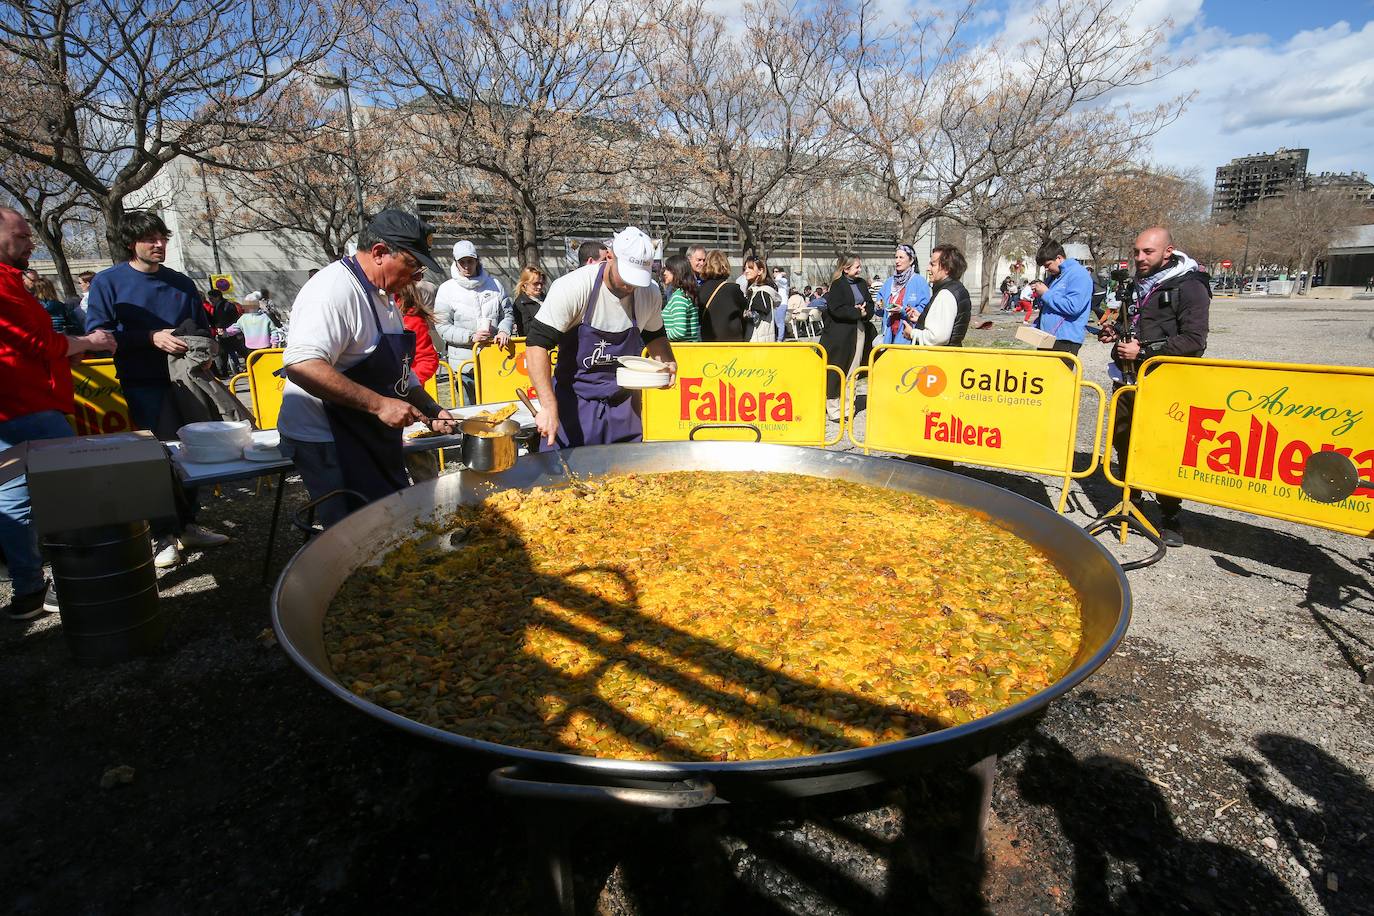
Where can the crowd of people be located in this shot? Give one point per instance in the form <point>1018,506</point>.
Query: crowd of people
<point>366,332</point>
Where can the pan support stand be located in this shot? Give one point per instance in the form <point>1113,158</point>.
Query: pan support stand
<point>549,832</point>
<point>1126,510</point>
<point>974,823</point>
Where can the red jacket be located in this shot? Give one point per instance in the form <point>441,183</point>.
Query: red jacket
<point>426,357</point>
<point>34,372</point>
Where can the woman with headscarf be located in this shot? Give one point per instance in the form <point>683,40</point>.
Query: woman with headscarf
<point>903,296</point>
<point>847,326</point>
<point>762,296</point>
<point>471,310</point>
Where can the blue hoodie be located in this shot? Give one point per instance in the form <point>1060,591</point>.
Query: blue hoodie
<point>1065,306</point>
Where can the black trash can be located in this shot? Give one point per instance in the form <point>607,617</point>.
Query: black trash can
<point>106,588</point>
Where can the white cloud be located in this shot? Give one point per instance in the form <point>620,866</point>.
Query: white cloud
<point>1254,94</point>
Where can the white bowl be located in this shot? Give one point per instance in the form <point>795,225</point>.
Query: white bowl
<point>632,378</point>
<point>210,454</point>
<point>643,364</point>
<point>237,433</point>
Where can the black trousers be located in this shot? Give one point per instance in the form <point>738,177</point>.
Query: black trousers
<point>1067,346</point>
<point>1121,437</point>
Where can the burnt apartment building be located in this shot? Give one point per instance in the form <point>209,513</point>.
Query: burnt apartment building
<point>1244,181</point>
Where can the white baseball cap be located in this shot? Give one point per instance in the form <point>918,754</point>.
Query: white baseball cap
<point>464,249</point>
<point>634,256</point>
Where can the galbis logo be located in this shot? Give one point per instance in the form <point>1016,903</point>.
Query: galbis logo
<point>931,381</point>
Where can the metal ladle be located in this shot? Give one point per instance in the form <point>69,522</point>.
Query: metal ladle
<point>558,453</point>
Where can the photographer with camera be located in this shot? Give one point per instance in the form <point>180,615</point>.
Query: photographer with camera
<point>1066,299</point>
<point>1163,313</point>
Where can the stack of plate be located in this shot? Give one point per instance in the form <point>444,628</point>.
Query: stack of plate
<point>214,442</point>
<point>642,372</point>
<point>266,446</point>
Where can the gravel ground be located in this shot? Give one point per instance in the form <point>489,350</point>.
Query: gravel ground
<point>1220,762</point>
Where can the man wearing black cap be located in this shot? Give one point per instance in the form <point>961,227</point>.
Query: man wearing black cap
<point>349,390</point>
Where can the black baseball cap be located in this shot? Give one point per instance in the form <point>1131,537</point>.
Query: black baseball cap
<point>405,231</point>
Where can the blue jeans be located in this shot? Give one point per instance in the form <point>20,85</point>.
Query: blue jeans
<point>153,407</point>
<point>16,534</point>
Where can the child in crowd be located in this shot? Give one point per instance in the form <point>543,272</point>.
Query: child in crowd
<point>255,326</point>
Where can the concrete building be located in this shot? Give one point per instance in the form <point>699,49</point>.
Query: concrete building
<point>1244,181</point>
<point>1350,261</point>
<point>1355,185</point>
<point>805,246</point>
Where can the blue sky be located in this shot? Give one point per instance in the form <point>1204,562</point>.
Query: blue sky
<point>1281,18</point>
<point>1267,73</point>
<point>1263,74</point>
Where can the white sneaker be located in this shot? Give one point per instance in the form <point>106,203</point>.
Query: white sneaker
<point>193,536</point>
<point>167,554</point>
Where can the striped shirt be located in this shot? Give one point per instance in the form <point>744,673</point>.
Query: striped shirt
<point>680,318</point>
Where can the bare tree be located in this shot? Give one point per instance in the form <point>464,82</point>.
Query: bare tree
<point>53,205</point>
<point>305,179</point>
<point>1297,229</point>
<point>744,108</point>
<point>916,89</point>
<point>107,92</point>
<point>528,108</point>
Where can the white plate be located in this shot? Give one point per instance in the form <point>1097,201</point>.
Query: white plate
<point>630,378</point>
<point>260,452</point>
<point>643,364</point>
<point>210,454</point>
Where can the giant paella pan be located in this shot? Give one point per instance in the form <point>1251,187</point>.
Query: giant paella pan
<point>420,519</point>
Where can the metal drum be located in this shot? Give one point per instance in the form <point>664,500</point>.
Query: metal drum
<point>308,584</point>
<point>106,588</point>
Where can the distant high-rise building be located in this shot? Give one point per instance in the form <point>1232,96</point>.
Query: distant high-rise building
<point>1244,181</point>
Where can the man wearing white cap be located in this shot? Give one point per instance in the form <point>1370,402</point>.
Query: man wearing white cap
<point>594,315</point>
<point>471,310</point>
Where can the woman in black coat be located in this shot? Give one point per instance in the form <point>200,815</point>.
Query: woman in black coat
<point>847,322</point>
<point>723,306</point>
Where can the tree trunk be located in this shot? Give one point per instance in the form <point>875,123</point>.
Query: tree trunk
<point>991,243</point>
<point>52,240</point>
<point>527,238</point>
<point>112,208</point>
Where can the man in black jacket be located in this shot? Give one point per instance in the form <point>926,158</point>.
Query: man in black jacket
<point>1173,298</point>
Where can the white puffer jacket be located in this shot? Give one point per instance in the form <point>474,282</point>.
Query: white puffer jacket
<point>464,306</point>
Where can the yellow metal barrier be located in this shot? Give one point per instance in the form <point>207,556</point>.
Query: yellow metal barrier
<point>778,388</point>
<point>1238,435</point>
<point>1011,409</point>
<point>100,404</point>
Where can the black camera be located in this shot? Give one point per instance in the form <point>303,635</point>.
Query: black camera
<point>1121,275</point>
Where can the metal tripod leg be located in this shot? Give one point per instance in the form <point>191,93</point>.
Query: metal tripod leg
<point>975,821</point>
<point>551,858</point>
<point>272,532</point>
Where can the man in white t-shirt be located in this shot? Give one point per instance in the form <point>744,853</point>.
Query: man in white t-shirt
<point>594,315</point>
<point>350,390</point>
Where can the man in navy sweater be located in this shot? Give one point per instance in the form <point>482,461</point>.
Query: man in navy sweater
<point>141,302</point>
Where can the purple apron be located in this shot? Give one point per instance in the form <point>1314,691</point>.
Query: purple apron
<point>592,408</point>
<point>369,451</point>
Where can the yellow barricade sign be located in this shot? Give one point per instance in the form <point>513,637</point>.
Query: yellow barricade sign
<point>265,386</point>
<point>502,371</point>
<point>778,388</point>
<point>1012,409</point>
<point>100,404</point>
<point>1238,435</point>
